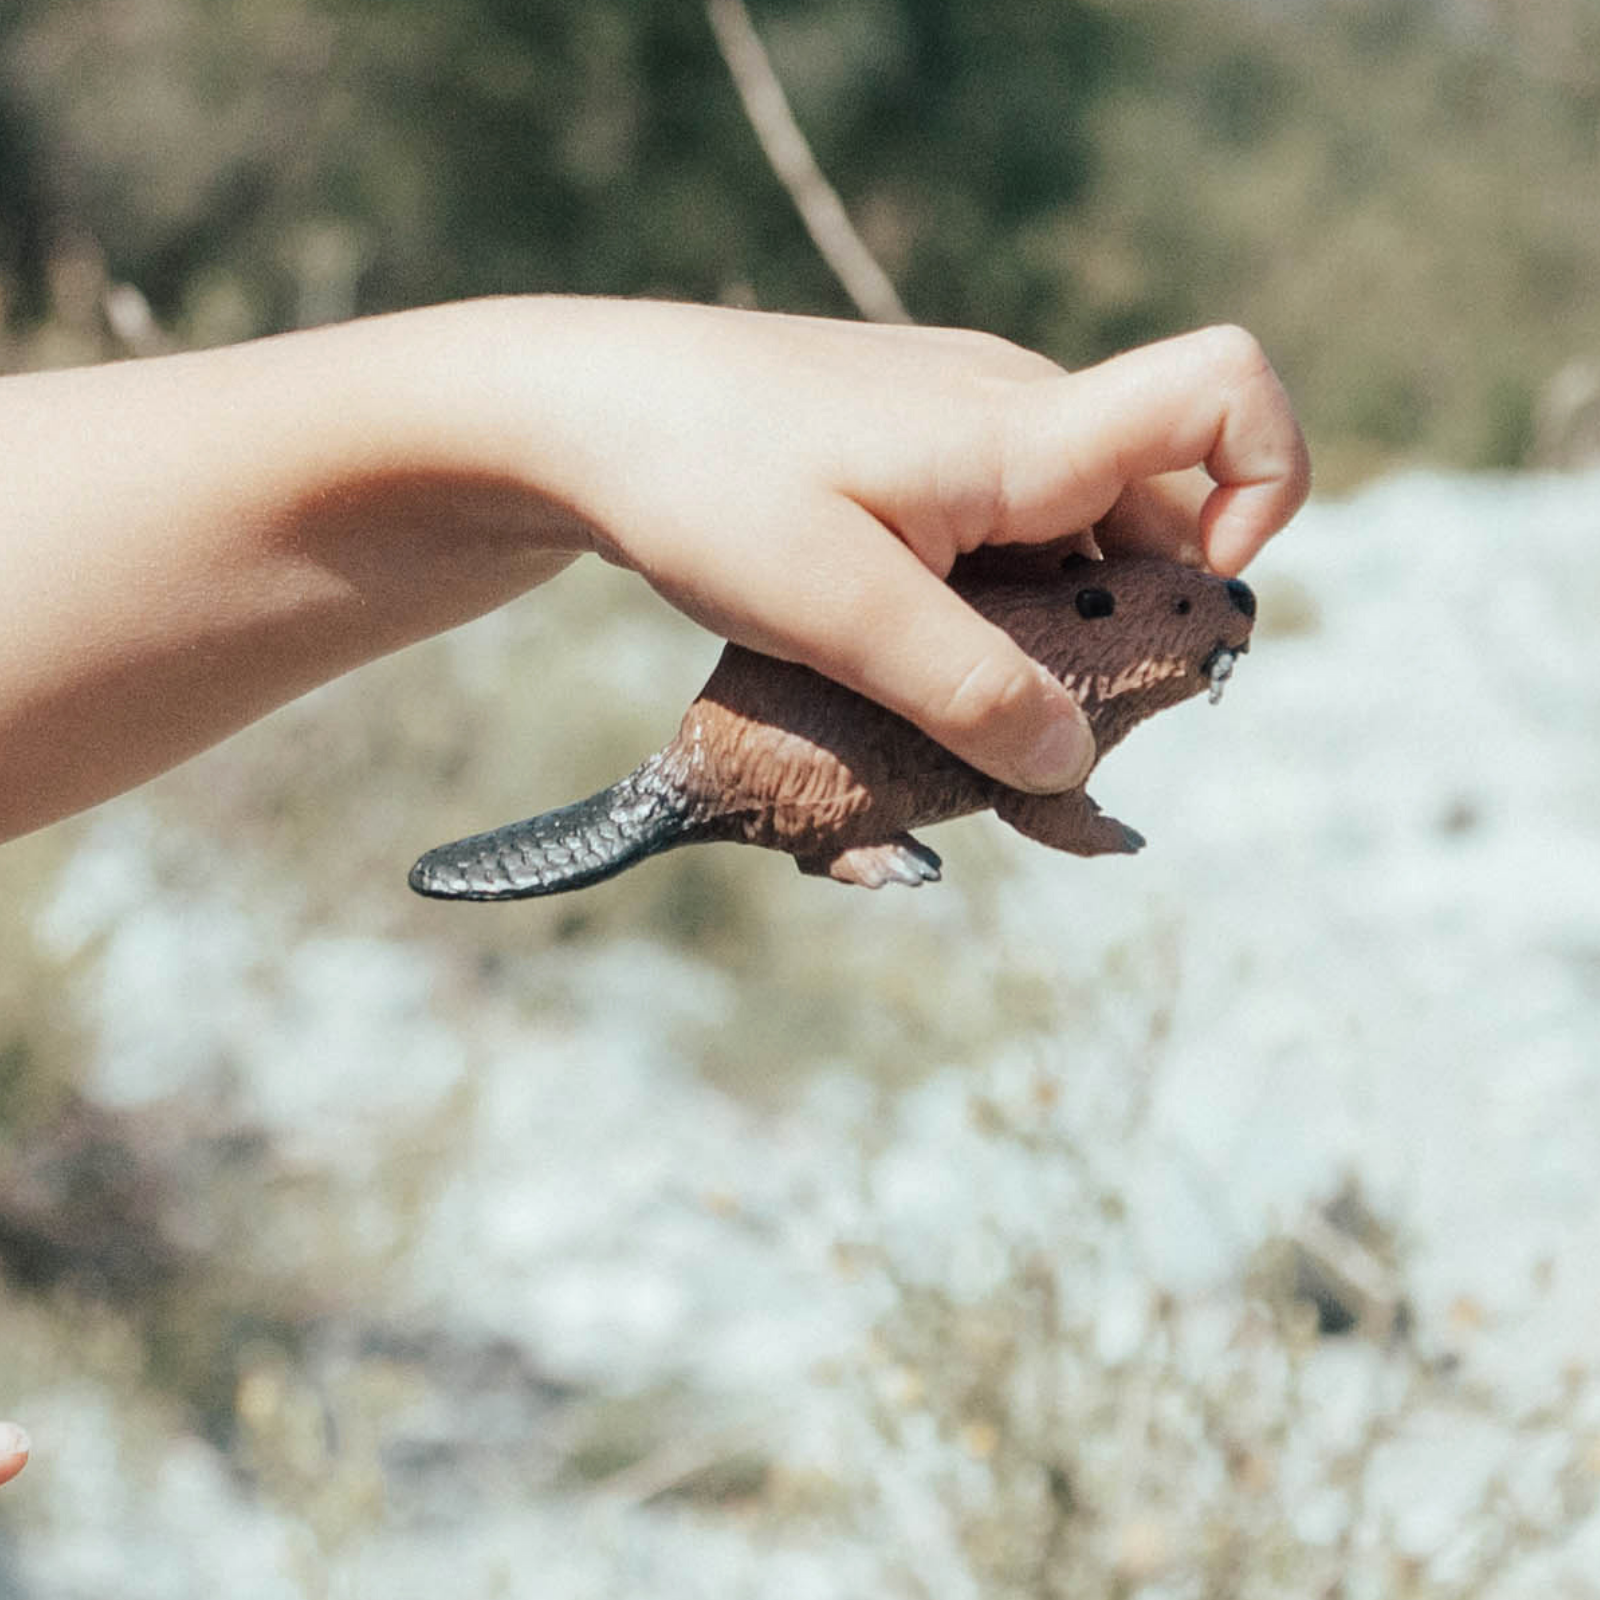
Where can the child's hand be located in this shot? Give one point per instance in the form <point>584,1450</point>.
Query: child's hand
<point>801,486</point>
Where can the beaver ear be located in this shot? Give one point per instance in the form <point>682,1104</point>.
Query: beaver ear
<point>1076,561</point>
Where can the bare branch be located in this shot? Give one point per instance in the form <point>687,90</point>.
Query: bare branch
<point>791,159</point>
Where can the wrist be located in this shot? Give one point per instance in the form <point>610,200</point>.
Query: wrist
<point>430,413</point>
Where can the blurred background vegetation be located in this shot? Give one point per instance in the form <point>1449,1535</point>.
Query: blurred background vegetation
<point>1398,196</point>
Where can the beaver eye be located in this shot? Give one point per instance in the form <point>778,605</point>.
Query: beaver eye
<point>1094,603</point>
<point>1183,606</point>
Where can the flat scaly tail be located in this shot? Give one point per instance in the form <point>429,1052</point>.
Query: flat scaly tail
<point>568,848</point>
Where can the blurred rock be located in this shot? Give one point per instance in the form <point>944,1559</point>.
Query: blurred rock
<point>83,1206</point>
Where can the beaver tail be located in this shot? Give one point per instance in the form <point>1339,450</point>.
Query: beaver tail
<point>568,848</point>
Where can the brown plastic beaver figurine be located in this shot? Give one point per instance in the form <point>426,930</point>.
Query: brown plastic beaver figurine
<point>775,755</point>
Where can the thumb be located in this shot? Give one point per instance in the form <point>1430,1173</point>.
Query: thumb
<point>863,610</point>
<point>1005,713</point>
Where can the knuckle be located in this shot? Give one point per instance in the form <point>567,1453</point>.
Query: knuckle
<point>992,355</point>
<point>1235,350</point>
<point>966,500</point>
<point>1236,356</point>
<point>993,435</point>
<point>1251,390</point>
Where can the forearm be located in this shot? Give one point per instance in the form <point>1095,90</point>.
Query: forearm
<point>194,540</point>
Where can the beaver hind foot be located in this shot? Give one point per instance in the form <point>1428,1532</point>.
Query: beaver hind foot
<point>901,859</point>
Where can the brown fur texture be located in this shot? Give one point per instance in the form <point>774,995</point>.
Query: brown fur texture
<point>772,754</point>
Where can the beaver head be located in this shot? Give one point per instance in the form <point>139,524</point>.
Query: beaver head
<point>1127,636</point>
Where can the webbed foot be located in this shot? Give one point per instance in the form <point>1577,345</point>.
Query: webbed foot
<point>1070,821</point>
<point>901,859</point>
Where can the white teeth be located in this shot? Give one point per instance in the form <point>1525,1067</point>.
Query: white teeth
<point>1220,670</point>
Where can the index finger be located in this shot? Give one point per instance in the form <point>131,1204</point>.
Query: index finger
<point>1208,399</point>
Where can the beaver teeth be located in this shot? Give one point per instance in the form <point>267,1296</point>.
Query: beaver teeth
<point>1218,668</point>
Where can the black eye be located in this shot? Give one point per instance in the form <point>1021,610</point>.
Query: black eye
<point>1183,606</point>
<point>1094,603</point>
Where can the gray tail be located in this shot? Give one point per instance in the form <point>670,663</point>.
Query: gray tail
<point>568,848</point>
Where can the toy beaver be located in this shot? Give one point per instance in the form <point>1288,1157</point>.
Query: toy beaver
<point>773,754</point>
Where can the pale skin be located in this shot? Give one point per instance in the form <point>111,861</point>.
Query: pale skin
<point>14,1449</point>
<point>191,541</point>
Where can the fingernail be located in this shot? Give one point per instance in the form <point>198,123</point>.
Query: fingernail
<point>14,1441</point>
<point>1061,757</point>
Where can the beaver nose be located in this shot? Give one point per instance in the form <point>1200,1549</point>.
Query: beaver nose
<point>1242,595</point>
